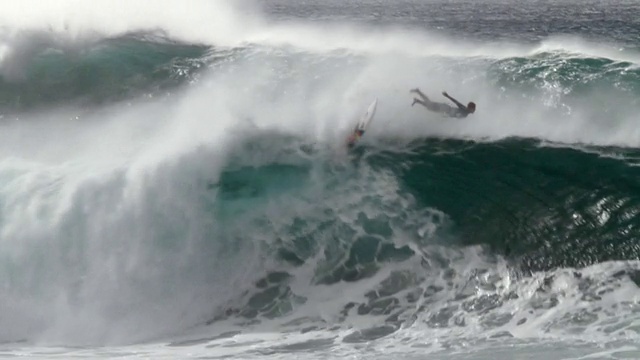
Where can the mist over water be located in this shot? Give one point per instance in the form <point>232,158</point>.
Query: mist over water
<point>177,175</point>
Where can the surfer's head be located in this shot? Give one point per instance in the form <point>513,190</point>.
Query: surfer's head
<point>471,106</point>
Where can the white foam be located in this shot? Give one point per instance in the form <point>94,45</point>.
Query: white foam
<point>114,180</point>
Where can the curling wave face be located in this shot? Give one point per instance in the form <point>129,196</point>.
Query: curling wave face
<point>156,183</point>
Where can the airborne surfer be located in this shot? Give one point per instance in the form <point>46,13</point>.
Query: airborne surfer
<point>460,112</point>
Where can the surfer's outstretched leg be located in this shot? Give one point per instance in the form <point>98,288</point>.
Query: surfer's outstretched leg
<point>423,96</point>
<point>417,101</point>
<point>428,104</point>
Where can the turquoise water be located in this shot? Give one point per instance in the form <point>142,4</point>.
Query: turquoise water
<point>175,183</point>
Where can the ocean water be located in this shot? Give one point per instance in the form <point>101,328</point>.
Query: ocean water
<point>174,182</point>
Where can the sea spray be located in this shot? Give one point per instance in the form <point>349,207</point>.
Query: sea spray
<point>206,192</point>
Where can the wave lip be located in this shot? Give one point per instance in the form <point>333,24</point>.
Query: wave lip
<point>39,71</point>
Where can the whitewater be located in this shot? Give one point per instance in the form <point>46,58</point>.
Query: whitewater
<point>174,181</point>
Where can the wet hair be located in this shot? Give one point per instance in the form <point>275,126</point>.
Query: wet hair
<point>471,105</point>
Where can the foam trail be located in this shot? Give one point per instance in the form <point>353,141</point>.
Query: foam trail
<point>420,43</point>
<point>580,47</point>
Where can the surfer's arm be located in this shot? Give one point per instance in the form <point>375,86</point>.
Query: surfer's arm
<point>461,106</point>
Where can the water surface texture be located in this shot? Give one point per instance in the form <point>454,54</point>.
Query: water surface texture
<point>174,181</point>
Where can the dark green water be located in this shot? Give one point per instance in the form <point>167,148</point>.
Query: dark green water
<point>545,206</point>
<point>542,206</point>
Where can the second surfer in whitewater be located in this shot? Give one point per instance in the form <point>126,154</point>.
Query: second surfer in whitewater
<point>357,134</point>
<point>460,111</point>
